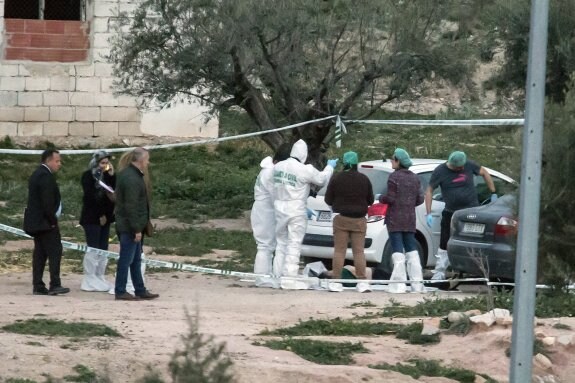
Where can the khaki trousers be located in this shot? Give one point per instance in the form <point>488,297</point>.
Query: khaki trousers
<point>344,229</point>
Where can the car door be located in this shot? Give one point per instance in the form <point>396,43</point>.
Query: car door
<point>437,206</point>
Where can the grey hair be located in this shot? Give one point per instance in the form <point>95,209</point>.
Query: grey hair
<point>138,154</point>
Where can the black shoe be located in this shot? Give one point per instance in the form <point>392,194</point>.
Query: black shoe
<point>40,291</point>
<point>148,295</point>
<point>126,297</point>
<point>58,290</point>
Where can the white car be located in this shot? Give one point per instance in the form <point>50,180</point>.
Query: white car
<point>318,240</point>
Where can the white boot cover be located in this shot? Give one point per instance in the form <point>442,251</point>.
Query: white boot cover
<point>263,262</point>
<point>278,264</point>
<point>290,283</point>
<point>398,274</point>
<point>267,281</point>
<point>92,280</point>
<point>414,271</point>
<point>441,265</point>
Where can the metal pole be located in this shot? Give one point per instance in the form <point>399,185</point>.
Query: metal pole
<point>529,200</point>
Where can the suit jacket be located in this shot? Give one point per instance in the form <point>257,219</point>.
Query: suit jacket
<point>43,202</point>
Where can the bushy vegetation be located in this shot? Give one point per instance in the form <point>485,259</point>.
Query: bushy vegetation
<point>320,352</point>
<point>508,21</point>
<point>52,327</point>
<point>557,225</point>
<point>417,368</point>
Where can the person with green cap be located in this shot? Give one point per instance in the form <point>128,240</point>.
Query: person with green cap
<point>349,193</point>
<point>456,180</point>
<point>404,194</point>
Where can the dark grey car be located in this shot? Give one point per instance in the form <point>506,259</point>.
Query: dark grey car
<point>483,239</point>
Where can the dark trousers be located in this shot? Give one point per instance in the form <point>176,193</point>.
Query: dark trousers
<point>97,236</point>
<point>47,247</point>
<point>445,229</point>
<point>130,261</point>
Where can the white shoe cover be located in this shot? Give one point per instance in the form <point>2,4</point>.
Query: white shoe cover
<point>94,268</point>
<point>441,265</point>
<point>272,282</point>
<point>293,284</point>
<point>414,271</point>
<point>263,262</point>
<point>278,264</point>
<point>335,287</point>
<point>363,287</point>
<point>398,274</point>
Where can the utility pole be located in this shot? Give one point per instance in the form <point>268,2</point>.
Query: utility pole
<point>529,200</point>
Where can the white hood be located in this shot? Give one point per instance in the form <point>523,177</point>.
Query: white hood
<point>267,162</point>
<point>299,151</point>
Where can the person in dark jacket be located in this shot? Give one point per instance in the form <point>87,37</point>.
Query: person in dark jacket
<point>98,183</point>
<point>41,222</point>
<point>349,193</point>
<point>404,193</point>
<point>132,216</point>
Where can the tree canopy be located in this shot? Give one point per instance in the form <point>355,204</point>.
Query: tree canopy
<point>509,22</point>
<point>286,61</point>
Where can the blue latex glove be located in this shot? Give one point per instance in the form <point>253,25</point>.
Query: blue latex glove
<point>310,213</point>
<point>429,219</point>
<point>494,197</point>
<point>333,162</point>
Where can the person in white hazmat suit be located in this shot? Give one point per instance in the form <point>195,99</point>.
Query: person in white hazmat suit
<point>262,217</point>
<point>292,179</point>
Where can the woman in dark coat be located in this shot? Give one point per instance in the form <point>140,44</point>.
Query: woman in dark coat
<point>404,193</point>
<point>98,183</point>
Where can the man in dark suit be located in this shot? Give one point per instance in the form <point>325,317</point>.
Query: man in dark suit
<point>41,222</point>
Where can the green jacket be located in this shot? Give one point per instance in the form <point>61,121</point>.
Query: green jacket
<point>132,205</point>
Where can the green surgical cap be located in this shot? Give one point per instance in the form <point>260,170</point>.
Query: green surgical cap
<point>457,159</point>
<point>350,158</point>
<point>403,157</point>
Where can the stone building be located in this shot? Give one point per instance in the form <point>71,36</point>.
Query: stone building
<point>55,80</point>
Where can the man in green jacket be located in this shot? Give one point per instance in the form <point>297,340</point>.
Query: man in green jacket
<point>132,216</point>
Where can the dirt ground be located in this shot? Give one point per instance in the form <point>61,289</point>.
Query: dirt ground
<point>234,312</point>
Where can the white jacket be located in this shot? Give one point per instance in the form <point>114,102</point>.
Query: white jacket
<point>292,178</point>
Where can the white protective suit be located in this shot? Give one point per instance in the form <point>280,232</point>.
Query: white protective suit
<point>292,181</point>
<point>263,217</point>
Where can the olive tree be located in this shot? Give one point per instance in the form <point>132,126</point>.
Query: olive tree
<point>286,61</point>
<point>509,21</point>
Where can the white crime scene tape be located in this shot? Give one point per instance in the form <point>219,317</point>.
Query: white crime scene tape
<point>149,262</point>
<point>207,270</point>
<point>481,122</point>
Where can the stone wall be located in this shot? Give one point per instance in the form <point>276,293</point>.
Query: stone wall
<point>51,94</point>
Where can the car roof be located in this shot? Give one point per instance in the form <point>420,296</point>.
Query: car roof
<point>422,165</point>
<point>419,164</point>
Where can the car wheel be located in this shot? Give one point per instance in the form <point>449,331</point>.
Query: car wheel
<point>387,263</point>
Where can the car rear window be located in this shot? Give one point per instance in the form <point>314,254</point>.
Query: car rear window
<point>377,177</point>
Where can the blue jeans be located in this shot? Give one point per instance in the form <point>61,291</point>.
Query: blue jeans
<point>97,236</point>
<point>130,260</point>
<point>402,240</point>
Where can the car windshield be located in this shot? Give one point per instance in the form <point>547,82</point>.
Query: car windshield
<point>377,177</point>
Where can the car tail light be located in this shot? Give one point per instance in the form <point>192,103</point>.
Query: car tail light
<point>506,226</point>
<point>376,212</point>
